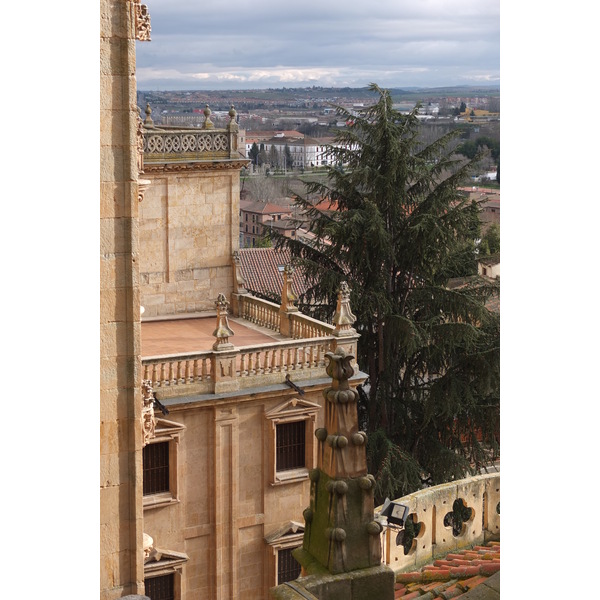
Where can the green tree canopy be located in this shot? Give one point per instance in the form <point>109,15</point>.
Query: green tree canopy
<point>490,242</point>
<point>253,154</point>
<point>431,351</point>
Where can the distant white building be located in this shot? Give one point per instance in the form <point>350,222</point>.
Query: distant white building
<point>305,152</point>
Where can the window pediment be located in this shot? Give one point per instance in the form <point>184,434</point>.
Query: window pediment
<point>160,560</point>
<point>293,408</point>
<point>292,531</point>
<point>165,428</point>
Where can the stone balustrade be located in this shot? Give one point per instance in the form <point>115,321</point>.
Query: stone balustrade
<point>229,368</point>
<point>260,312</point>
<point>237,368</point>
<point>304,326</point>
<point>283,357</point>
<point>195,371</point>
<point>446,517</point>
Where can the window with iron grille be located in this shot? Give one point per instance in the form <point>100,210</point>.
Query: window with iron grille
<point>291,452</point>
<point>156,468</point>
<point>288,567</point>
<point>160,588</point>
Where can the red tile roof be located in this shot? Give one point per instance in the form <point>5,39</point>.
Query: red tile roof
<point>256,206</point>
<point>452,576</point>
<point>262,271</point>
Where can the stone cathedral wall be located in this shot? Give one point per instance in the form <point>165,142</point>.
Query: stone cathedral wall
<point>188,233</point>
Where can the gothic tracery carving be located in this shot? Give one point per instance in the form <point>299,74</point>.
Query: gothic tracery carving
<point>142,22</point>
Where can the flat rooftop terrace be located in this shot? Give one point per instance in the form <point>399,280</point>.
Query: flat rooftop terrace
<point>188,335</point>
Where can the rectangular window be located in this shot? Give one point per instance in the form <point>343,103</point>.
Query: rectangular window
<point>160,588</point>
<point>156,468</point>
<point>288,568</point>
<point>290,450</point>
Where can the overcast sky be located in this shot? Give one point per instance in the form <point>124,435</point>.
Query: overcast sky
<point>239,44</point>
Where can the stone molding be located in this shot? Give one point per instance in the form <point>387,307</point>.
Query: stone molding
<point>197,165</point>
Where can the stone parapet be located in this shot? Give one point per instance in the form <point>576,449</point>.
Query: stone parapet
<point>449,517</point>
<point>237,369</point>
<point>166,145</point>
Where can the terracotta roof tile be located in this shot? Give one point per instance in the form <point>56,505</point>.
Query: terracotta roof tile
<point>472,582</point>
<point>262,272</point>
<point>451,576</point>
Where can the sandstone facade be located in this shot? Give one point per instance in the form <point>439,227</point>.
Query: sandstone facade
<point>121,516</point>
<point>188,233</point>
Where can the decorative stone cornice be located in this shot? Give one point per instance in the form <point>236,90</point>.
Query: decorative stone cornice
<point>141,20</point>
<point>205,165</point>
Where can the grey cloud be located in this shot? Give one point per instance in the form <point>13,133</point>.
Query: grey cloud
<point>447,40</point>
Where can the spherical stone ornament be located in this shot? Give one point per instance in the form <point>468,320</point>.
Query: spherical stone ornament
<point>341,441</point>
<point>374,528</point>
<point>365,483</point>
<point>308,515</point>
<point>321,434</point>
<point>314,475</point>
<point>359,438</point>
<point>341,488</point>
<point>337,534</point>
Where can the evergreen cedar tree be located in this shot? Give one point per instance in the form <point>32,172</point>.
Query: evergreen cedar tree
<point>399,231</point>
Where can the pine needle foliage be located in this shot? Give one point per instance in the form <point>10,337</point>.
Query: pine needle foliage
<point>398,228</point>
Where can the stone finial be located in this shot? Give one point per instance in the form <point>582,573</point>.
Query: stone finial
<point>148,122</point>
<point>223,331</point>
<point>343,318</point>
<point>232,125</point>
<point>148,418</point>
<point>141,22</point>
<point>340,369</point>
<point>288,296</point>
<point>208,124</point>
<point>239,283</point>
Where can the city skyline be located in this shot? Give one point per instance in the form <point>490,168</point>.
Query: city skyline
<point>262,45</point>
